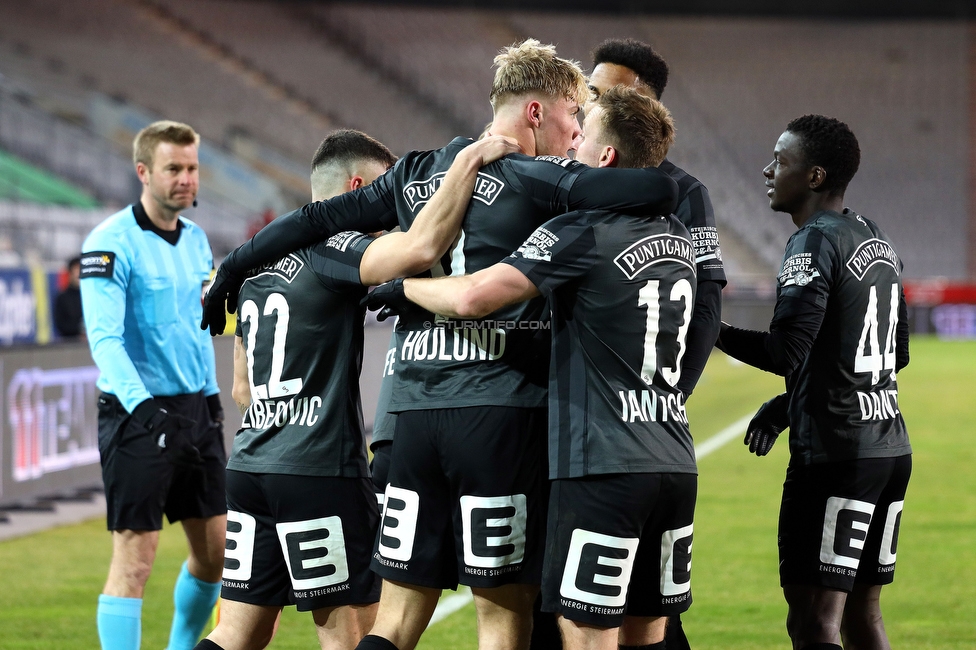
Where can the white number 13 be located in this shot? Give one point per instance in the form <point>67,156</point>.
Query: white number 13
<point>650,297</point>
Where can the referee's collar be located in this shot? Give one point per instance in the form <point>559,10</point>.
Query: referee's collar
<point>142,218</point>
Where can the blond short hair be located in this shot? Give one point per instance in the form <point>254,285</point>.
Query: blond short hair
<point>639,127</point>
<point>529,67</point>
<point>146,141</point>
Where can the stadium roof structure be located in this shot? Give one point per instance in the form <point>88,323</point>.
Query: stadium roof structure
<point>960,9</point>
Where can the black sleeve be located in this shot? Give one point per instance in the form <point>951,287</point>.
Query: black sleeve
<point>902,356</point>
<point>784,347</point>
<point>631,191</point>
<point>368,209</point>
<point>560,250</point>
<point>702,333</point>
<point>336,261</point>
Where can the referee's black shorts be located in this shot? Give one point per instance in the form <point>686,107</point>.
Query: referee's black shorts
<point>141,485</point>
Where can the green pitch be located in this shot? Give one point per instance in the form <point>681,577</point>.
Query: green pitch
<point>51,580</point>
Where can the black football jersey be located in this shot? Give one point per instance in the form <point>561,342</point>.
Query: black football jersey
<point>302,329</point>
<point>622,290</point>
<point>837,332</point>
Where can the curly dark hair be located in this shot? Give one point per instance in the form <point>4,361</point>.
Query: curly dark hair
<point>828,143</point>
<point>647,64</point>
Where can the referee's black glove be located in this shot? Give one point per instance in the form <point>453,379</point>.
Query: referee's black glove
<point>389,299</point>
<point>769,421</point>
<point>224,288</point>
<point>171,433</point>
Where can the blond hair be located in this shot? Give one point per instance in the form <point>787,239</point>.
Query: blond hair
<point>639,127</point>
<point>530,66</point>
<point>146,141</point>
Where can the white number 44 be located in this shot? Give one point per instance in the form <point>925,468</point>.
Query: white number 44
<point>874,360</point>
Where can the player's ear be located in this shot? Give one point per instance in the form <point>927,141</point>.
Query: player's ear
<point>142,171</point>
<point>608,157</point>
<point>533,113</point>
<point>355,183</point>
<point>817,177</point>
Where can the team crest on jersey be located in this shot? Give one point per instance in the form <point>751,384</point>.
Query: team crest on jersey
<point>286,268</point>
<point>537,246</point>
<point>869,253</point>
<point>486,189</point>
<point>655,250</point>
<point>798,270</point>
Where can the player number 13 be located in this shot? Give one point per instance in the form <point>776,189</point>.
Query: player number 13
<point>650,296</point>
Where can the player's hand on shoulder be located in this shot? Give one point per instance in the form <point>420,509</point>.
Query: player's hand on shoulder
<point>171,432</point>
<point>222,292</point>
<point>491,148</point>
<point>769,421</point>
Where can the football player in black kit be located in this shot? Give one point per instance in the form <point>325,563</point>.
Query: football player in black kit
<point>839,334</point>
<point>621,289</point>
<point>469,443</point>
<point>636,65</point>
<point>297,359</point>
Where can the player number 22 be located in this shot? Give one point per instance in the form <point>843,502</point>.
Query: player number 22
<point>276,304</point>
<point>874,361</point>
<point>650,296</point>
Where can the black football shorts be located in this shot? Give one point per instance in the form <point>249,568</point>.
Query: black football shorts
<point>301,540</point>
<point>141,485</point>
<point>838,522</point>
<point>619,544</point>
<point>466,498</point>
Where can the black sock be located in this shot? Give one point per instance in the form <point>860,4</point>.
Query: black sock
<point>660,645</point>
<point>373,642</point>
<point>822,646</point>
<point>207,644</point>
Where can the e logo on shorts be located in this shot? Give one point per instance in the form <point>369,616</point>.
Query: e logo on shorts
<point>239,548</point>
<point>399,524</point>
<point>676,560</point>
<point>889,540</point>
<point>845,528</point>
<point>493,530</point>
<point>315,552</point>
<point>598,568</point>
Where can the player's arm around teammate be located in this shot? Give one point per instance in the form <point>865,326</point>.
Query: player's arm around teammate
<point>160,436</point>
<point>342,609</point>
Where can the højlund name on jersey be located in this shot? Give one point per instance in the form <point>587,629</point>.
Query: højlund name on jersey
<point>463,344</point>
<point>286,268</point>
<point>301,411</point>
<point>486,189</point>
<point>654,250</point>
<point>868,254</point>
<point>648,406</point>
<point>879,404</point>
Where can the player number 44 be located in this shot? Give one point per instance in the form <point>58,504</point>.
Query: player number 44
<point>869,357</point>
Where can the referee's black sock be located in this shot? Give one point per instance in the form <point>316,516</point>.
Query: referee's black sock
<point>660,645</point>
<point>822,646</point>
<point>373,642</point>
<point>207,644</point>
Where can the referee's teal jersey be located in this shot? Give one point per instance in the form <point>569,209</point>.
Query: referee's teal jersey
<point>141,298</point>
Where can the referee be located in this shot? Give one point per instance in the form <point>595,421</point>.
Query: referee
<point>160,435</point>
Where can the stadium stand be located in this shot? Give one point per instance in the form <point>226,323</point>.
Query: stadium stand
<point>414,77</point>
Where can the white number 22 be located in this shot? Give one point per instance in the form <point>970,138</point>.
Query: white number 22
<point>276,304</point>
